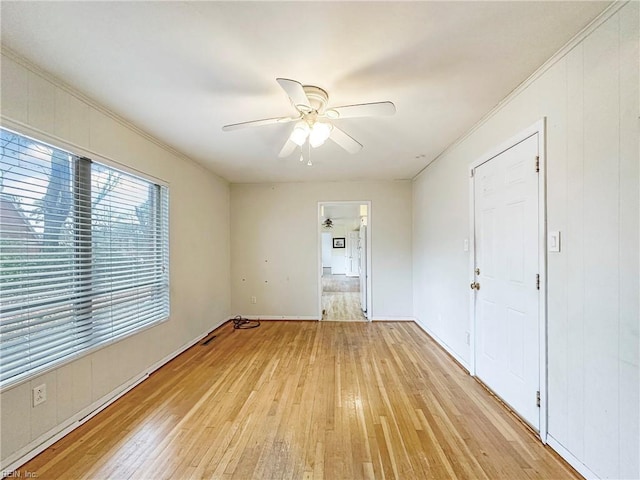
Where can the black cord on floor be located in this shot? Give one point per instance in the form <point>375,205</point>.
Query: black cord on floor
<point>240,323</point>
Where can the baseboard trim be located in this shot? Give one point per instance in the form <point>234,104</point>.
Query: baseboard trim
<point>580,467</point>
<point>464,364</point>
<point>44,441</point>
<point>278,317</point>
<point>312,318</point>
<point>391,318</point>
<point>576,464</point>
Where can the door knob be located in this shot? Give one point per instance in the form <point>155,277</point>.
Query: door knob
<point>475,286</point>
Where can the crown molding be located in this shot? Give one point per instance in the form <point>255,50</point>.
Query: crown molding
<point>57,82</point>
<point>605,15</point>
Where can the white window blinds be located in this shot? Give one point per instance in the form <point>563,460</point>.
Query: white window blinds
<point>84,255</point>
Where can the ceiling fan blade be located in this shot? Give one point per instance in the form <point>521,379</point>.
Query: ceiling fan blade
<point>288,149</point>
<point>345,140</point>
<point>362,110</point>
<point>295,91</point>
<point>258,123</point>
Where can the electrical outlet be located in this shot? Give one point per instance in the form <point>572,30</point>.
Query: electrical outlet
<point>39,394</point>
<point>468,337</point>
<point>254,300</point>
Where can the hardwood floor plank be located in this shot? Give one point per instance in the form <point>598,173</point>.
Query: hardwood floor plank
<point>341,298</point>
<point>305,400</point>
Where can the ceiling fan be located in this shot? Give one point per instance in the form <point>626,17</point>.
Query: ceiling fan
<point>314,120</point>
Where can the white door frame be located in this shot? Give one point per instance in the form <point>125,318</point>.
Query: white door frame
<point>369,313</point>
<point>537,128</point>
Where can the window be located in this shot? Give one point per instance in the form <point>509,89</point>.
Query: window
<point>83,255</point>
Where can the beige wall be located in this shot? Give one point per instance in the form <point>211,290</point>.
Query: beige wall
<point>229,243</point>
<point>590,100</point>
<point>199,256</point>
<point>275,245</point>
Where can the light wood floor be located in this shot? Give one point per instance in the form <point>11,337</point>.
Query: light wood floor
<point>341,298</point>
<point>305,400</point>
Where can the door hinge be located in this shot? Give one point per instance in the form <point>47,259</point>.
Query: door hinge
<point>537,281</point>
<point>537,163</point>
<point>472,172</point>
<point>538,398</point>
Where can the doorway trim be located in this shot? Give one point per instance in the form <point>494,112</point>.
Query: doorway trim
<point>369,313</point>
<point>537,128</point>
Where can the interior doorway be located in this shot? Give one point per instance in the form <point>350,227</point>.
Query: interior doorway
<point>344,264</point>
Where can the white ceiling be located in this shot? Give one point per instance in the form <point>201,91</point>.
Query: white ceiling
<point>182,70</point>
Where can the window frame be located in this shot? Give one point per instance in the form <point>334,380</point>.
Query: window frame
<point>88,156</point>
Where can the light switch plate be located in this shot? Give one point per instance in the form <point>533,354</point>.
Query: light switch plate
<point>553,242</point>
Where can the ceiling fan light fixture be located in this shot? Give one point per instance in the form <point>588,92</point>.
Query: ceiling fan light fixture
<point>300,133</point>
<point>313,119</point>
<point>319,133</point>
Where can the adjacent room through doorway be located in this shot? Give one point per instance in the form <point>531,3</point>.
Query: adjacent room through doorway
<point>344,261</point>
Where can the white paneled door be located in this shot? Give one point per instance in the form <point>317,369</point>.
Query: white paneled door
<point>506,283</point>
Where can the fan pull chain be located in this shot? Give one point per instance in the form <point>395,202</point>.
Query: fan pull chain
<point>309,162</point>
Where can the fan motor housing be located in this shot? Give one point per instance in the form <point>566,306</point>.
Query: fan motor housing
<point>318,98</point>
